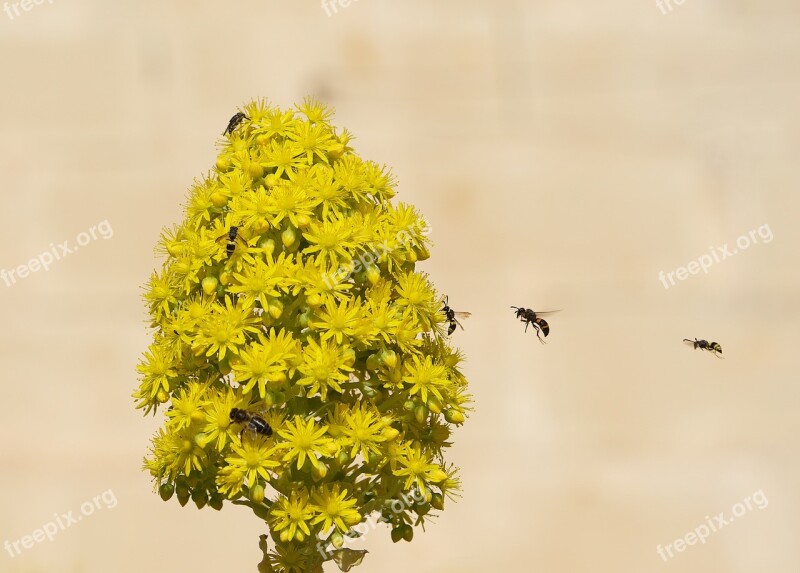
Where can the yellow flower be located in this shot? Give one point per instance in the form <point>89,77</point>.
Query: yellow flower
<point>158,369</point>
<point>333,509</point>
<point>363,431</point>
<point>252,459</point>
<point>225,329</point>
<point>415,294</point>
<point>338,321</point>
<point>332,240</point>
<point>315,111</point>
<point>218,418</point>
<point>291,516</point>
<point>161,294</point>
<point>187,407</point>
<point>261,363</point>
<point>314,139</point>
<point>285,156</point>
<point>324,367</point>
<point>305,440</point>
<point>418,469</point>
<point>426,377</point>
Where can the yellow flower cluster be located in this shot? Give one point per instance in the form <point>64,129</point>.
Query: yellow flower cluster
<point>301,357</point>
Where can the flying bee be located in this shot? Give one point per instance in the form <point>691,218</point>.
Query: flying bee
<point>234,122</point>
<point>531,317</point>
<point>255,424</point>
<point>232,237</point>
<point>712,347</point>
<point>453,316</point>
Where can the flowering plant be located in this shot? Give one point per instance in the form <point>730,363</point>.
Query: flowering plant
<point>302,356</point>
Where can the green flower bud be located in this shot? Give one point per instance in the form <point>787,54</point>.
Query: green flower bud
<point>199,497</point>
<point>389,358</point>
<point>453,416</point>
<point>397,534</point>
<point>257,493</point>
<point>166,490</point>
<point>337,539</point>
<point>422,509</point>
<point>373,274</point>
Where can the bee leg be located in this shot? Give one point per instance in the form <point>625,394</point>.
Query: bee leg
<point>536,328</point>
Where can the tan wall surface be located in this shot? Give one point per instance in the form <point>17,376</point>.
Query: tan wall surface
<point>564,153</point>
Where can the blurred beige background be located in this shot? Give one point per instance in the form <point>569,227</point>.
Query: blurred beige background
<point>564,153</point>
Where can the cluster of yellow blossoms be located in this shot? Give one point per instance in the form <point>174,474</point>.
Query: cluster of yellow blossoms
<point>290,292</point>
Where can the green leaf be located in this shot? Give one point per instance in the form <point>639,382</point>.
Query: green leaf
<point>346,559</point>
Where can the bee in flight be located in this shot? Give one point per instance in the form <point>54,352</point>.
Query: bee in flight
<point>255,424</point>
<point>529,316</point>
<point>234,122</point>
<point>712,347</point>
<point>453,316</point>
<point>232,237</point>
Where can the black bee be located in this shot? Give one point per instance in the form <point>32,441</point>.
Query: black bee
<point>712,347</point>
<point>256,424</point>
<point>529,316</point>
<point>234,122</point>
<point>451,315</point>
<point>232,236</point>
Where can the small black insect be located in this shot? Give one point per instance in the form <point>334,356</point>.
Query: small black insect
<point>237,118</point>
<point>453,316</point>
<point>712,347</point>
<point>254,423</point>
<point>232,236</point>
<point>529,316</point>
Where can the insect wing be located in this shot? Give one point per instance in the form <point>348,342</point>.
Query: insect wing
<point>538,312</point>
